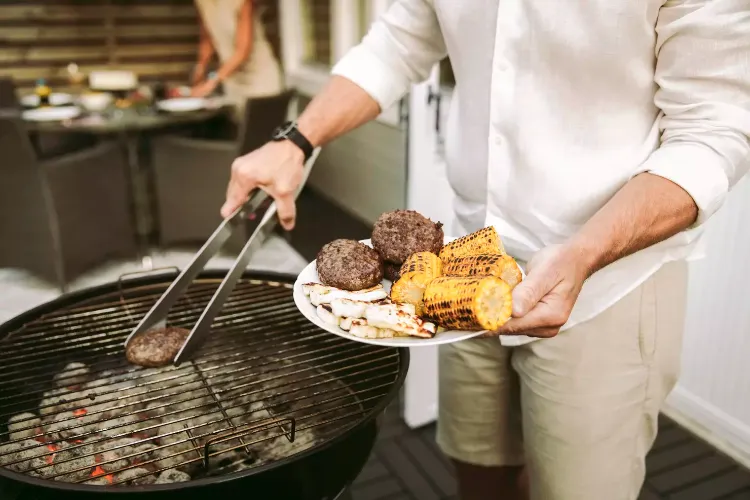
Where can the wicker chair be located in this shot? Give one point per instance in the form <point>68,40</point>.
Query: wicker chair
<point>61,217</point>
<point>191,175</point>
<point>8,97</point>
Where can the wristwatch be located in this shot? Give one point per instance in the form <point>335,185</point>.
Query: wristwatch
<point>289,131</point>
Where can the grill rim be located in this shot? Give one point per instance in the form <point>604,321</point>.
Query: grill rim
<point>66,300</point>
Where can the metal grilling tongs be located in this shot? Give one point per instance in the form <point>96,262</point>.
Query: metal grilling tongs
<point>157,316</point>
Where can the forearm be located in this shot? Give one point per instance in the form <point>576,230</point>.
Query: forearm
<point>647,210</point>
<point>339,108</point>
<point>230,66</point>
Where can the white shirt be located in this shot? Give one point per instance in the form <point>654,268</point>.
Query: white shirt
<point>558,104</point>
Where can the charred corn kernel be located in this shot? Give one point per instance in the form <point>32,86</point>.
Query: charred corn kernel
<point>483,241</point>
<point>423,262</point>
<point>474,303</point>
<point>417,272</point>
<point>504,267</point>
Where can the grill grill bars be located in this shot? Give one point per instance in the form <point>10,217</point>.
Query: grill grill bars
<point>265,374</point>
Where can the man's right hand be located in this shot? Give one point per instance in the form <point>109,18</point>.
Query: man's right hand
<point>277,169</point>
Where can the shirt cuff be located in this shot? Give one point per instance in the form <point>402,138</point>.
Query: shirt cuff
<point>696,169</point>
<point>368,71</point>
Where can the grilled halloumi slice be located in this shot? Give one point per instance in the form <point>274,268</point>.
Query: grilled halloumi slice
<point>360,328</point>
<point>322,294</point>
<point>326,314</point>
<point>356,308</point>
<point>399,320</point>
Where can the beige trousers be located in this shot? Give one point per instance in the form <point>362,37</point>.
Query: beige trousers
<point>580,410</point>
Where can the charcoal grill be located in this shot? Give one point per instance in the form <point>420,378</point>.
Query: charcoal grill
<point>270,404</point>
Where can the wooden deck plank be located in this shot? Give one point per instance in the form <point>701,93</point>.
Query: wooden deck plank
<point>731,482</point>
<point>691,473</point>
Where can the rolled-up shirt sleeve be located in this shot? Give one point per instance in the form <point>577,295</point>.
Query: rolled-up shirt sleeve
<point>400,49</point>
<point>703,77</point>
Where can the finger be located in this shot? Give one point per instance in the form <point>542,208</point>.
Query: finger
<point>236,195</point>
<point>543,316</point>
<point>544,333</point>
<point>286,210</point>
<point>528,293</point>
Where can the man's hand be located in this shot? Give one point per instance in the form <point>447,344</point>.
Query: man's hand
<point>277,169</point>
<point>543,301</point>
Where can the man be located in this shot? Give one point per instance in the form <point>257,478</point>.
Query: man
<point>597,137</point>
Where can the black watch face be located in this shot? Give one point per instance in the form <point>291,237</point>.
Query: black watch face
<point>283,130</point>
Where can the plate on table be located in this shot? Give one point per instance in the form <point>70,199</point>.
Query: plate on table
<point>310,275</point>
<point>55,99</point>
<point>182,104</point>
<point>52,114</point>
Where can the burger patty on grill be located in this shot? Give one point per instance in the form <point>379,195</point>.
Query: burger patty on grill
<point>157,347</point>
<point>349,265</point>
<point>398,234</point>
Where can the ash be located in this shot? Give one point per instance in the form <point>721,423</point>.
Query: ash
<point>136,426</point>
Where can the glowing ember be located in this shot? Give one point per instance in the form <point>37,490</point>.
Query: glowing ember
<point>98,471</point>
<point>80,412</point>
<point>51,458</point>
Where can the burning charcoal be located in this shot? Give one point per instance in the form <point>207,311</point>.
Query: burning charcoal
<point>116,454</point>
<point>131,476</point>
<point>121,426</point>
<point>172,476</point>
<point>75,463</point>
<point>180,445</point>
<point>54,401</point>
<point>17,456</point>
<point>72,375</point>
<point>23,425</point>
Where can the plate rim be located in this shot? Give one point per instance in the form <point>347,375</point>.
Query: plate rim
<point>303,303</point>
<point>166,107</point>
<point>33,114</point>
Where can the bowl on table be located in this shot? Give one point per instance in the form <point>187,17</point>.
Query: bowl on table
<point>96,101</point>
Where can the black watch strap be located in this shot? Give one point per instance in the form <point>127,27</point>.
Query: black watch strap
<point>289,131</point>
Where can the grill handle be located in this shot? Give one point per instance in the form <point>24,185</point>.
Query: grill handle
<point>238,433</point>
<point>158,270</point>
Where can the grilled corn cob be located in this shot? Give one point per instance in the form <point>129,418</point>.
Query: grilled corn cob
<point>416,273</point>
<point>474,303</point>
<point>483,241</point>
<point>504,267</point>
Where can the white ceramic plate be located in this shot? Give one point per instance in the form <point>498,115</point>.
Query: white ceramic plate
<point>310,275</point>
<point>52,114</point>
<point>182,104</point>
<point>55,99</point>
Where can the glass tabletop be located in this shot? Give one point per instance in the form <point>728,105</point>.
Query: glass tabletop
<point>126,120</point>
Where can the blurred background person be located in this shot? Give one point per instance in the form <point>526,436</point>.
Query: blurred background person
<point>232,30</point>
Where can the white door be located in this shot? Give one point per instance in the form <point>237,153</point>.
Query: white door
<point>429,193</point>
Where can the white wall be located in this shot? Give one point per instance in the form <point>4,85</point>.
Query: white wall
<point>712,397</point>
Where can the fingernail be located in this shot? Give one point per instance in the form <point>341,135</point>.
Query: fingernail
<point>518,309</point>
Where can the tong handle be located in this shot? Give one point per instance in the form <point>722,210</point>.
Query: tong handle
<point>202,327</point>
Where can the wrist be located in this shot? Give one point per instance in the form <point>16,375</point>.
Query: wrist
<point>586,254</point>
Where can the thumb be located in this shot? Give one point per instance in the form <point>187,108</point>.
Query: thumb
<point>528,293</point>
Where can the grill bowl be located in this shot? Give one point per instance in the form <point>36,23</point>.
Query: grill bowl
<point>258,327</point>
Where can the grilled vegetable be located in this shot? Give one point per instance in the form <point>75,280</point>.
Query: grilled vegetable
<point>416,273</point>
<point>504,267</point>
<point>483,241</point>
<point>474,303</point>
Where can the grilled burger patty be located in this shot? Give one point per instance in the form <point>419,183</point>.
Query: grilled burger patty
<point>392,271</point>
<point>157,347</point>
<point>400,233</point>
<point>349,265</point>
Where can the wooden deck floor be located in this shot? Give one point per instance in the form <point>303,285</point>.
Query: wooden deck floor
<point>407,465</point>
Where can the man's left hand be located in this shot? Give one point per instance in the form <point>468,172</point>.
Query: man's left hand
<point>543,301</point>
